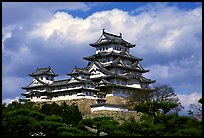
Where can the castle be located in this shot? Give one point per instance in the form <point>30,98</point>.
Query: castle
<point>111,71</point>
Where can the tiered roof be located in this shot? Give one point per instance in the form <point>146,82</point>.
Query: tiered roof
<point>79,71</point>
<point>107,38</point>
<point>60,82</point>
<point>119,64</point>
<point>43,71</point>
<point>123,54</point>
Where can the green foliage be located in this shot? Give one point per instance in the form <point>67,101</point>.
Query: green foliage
<point>101,124</point>
<point>195,109</point>
<point>69,114</point>
<point>200,101</point>
<point>165,93</point>
<point>153,108</point>
<point>72,131</point>
<point>22,118</point>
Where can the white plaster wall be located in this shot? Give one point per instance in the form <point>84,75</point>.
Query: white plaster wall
<point>93,109</point>
<point>109,95</point>
<point>134,85</point>
<point>61,97</point>
<point>97,74</point>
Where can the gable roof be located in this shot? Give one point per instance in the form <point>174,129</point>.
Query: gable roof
<point>122,54</point>
<point>79,71</point>
<point>42,84</point>
<point>43,71</point>
<point>107,38</point>
<point>60,82</point>
<point>145,80</point>
<point>104,82</point>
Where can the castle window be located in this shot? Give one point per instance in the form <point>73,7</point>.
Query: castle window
<point>52,79</point>
<point>100,49</point>
<point>41,78</point>
<point>106,48</point>
<point>103,48</point>
<point>47,78</point>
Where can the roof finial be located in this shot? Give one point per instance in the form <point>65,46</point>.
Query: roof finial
<point>103,30</point>
<point>75,67</point>
<point>120,34</point>
<point>49,67</point>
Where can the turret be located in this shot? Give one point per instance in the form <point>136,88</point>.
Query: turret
<point>110,42</point>
<point>44,74</point>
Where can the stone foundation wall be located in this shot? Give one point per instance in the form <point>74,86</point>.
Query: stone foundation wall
<point>118,115</point>
<point>83,104</point>
<point>85,109</point>
<point>116,100</point>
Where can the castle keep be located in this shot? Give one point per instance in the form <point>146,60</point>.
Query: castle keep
<point>111,71</point>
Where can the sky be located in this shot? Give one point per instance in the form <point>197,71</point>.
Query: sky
<point>168,36</point>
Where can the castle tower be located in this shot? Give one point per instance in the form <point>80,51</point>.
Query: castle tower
<point>111,72</point>
<point>41,85</point>
<point>115,71</point>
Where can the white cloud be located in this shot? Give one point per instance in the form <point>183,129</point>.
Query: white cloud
<point>166,37</point>
<point>9,100</point>
<point>187,99</point>
<point>165,31</point>
<point>12,85</point>
<point>23,56</point>
<point>33,11</point>
<point>4,37</point>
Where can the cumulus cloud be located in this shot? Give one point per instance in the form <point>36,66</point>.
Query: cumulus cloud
<point>9,100</point>
<point>187,99</point>
<point>190,98</point>
<point>12,86</point>
<point>35,10</point>
<point>168,38</point>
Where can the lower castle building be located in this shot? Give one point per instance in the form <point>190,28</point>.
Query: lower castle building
<point>111,71</point>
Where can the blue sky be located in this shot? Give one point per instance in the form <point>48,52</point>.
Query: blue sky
<point>168,36</point>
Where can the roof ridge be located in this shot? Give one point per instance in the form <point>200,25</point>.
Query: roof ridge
<point>120,36</point>
<point>42,68</point>
<point>61,80</point>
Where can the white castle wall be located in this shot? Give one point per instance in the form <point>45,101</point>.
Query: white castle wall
<point>66,97</point>
<point>94,109</point>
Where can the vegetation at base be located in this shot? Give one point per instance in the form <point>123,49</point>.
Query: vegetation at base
<point>22,118</point>
<point>159,118</point>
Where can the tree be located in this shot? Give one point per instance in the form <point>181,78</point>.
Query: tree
<point>70,114</point>
<point>22,118</point>
<point>165,93</point>
<point>196,109</point>
<point>153,108</point>
<point>18,116</point>
<point>200,100</point>
<point>101,124</point>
